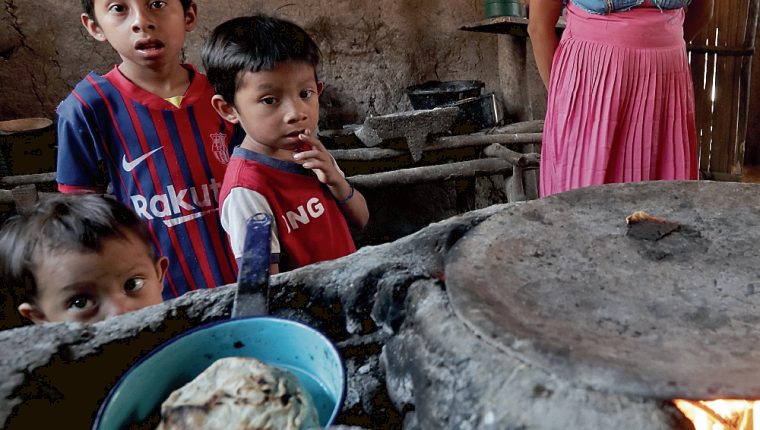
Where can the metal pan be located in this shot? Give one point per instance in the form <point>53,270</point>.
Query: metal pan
<point>134,402</point>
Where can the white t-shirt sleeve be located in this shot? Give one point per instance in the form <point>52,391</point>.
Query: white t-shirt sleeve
<point>241,204</point>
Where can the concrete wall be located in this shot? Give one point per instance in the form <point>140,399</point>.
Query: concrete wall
<point>371,50</point>
<point>521,85</point>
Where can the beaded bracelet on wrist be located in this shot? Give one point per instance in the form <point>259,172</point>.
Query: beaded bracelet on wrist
<point>350,195</point>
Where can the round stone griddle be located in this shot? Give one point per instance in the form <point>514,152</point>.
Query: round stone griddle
<point>559,284</point>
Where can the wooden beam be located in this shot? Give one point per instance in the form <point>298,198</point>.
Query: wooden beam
<point>36,178</point>
<point>465,140</point>
<point>515,158</point>
<point>6,196</point>
<point>435,144</point>
<point>532,126</point>
<point>437,173</point>
<point>721,50</point>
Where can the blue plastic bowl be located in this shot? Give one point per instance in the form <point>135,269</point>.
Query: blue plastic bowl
<point>302,350</point>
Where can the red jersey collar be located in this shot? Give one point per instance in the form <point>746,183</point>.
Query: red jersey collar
<point>195,92</point>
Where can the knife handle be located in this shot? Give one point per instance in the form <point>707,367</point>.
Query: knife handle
<point>254,267</point>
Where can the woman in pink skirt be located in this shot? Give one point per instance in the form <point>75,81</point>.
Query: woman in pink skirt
<point>621,101</point>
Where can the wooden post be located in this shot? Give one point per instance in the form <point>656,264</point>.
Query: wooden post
<point>25,197</point>
<point>746,76</point>
<point>515,186</point>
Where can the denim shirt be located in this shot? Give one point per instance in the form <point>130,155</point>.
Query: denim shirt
<point>605,7</point>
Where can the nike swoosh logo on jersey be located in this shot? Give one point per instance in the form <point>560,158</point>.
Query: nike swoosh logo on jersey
<point>183,219</point>
<point>128,166</point>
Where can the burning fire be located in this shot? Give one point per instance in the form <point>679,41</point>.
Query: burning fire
<point>720,414</point>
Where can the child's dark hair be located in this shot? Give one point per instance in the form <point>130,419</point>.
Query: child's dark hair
<point>251,44</point>
<point>88,6</point>
<point>62,222</point>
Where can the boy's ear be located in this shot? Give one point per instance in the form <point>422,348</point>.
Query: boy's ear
<point>191,17</point>
<point>162,265</point>
<point>31,312</point>
<point>93,28</point>
<point>224,109</point>
<point>320,87</point>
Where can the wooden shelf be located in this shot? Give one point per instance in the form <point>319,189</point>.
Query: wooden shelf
<point>518,26</point>
<point>512,25</point>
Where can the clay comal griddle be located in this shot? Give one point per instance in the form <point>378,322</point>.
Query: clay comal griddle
<point>561,284</point>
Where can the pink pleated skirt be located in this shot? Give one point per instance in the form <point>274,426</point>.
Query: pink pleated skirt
<point>621,102</point>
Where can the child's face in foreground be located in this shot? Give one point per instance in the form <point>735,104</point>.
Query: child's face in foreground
<point>275,106</point>
<point>145,33</point>
<point>89,286</point>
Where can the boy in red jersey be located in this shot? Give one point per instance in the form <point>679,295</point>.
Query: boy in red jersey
<point>264,72</point>
<point>147,128</point>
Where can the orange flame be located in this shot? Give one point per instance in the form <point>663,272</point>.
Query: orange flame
<point>720,414</point>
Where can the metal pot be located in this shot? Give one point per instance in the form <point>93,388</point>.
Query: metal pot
<point>138,395</point>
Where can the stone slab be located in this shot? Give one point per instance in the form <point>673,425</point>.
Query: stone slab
<point>413,126</point>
